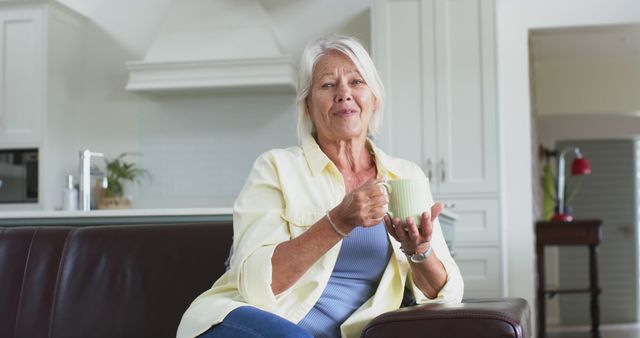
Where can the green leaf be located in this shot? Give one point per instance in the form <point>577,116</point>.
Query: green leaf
<point>119,172</point>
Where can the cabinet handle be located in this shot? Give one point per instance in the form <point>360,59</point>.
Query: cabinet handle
<point>429,173</point>
<point>449,205</point>
<point>443,171</point>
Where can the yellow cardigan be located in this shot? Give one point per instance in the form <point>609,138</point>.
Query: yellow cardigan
<point>287,191</point>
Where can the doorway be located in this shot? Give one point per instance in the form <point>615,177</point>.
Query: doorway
<point>585,83</point>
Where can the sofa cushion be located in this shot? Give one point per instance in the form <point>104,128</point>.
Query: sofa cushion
<point>106,281</point>
<point>29,261</point>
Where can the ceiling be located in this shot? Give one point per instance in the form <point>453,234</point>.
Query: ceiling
<point>591,41</point>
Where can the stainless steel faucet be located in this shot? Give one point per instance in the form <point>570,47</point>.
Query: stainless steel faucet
<point>85,178</point>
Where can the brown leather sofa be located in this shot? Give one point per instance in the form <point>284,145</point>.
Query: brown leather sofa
<point>137,280</point>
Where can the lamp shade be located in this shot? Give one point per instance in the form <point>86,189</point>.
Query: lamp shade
<point>580,166</point>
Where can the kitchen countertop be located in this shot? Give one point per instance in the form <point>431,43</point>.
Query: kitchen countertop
<point>130,216</point>
<point>120,216</point>
<point>132,212</point>
<point>115,213</point>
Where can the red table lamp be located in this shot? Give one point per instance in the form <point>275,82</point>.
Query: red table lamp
<point>580,166</point>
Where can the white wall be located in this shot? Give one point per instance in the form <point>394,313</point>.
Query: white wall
<point>131,24</point>
<point>198,146</point>
<point>515,18</point>
<point>588,85</point>
<point>587,127</point>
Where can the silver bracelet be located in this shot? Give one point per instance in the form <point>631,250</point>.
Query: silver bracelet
<point>333,225</point>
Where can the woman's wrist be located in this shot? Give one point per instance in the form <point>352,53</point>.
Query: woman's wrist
<point>336,223</point>
<point>420,248</point>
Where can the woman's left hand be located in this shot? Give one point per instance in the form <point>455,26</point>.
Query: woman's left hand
<point>414,237</point>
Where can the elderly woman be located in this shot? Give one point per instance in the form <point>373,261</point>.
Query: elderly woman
<point>315,253</point>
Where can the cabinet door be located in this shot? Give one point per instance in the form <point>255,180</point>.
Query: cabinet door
<point>466,96</point>
<point>21,71</point>
<point>481,272</point>
<point>478,220</point>
<point>403,50</point>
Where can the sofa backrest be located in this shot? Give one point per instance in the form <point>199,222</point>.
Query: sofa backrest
<point>105,281</point>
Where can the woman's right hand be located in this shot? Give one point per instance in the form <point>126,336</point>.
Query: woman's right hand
<point>363,206</point>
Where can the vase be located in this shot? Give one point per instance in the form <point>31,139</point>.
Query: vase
<point>114,203</point>
<point>566,216</point>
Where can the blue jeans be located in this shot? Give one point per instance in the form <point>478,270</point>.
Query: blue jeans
<point>251,322</point>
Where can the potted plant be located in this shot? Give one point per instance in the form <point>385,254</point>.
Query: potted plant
<point>119,172</point>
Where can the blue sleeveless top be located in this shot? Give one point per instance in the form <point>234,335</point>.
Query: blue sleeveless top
<point>363,257</point>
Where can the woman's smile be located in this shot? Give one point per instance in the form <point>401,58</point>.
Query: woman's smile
<point>348,112</point>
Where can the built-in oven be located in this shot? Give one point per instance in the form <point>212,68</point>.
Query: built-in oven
<point>18,175</point>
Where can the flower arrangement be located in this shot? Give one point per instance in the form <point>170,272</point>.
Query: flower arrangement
<point>560,189</point>
<point>549,187</point>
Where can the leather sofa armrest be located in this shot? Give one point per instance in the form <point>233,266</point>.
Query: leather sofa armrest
<point>473,318</point>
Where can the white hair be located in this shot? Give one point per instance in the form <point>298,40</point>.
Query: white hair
<point>354,50</point>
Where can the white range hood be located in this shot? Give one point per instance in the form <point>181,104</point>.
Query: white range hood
<point>222,44</point>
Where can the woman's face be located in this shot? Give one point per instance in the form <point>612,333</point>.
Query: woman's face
<point>340,103</point>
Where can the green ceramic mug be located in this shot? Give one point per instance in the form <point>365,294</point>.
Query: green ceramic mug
<point>408,198</point>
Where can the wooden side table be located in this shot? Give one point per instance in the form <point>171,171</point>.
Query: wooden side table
<point>580,232</point>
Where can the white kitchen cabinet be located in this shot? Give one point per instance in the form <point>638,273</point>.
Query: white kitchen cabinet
<point>21,69</point>
<point>40,87</point>
<point>39,63</point>
<point>477,245</point>
<point>480,269</point>
<point>478,220</point>
<point>437,61</point>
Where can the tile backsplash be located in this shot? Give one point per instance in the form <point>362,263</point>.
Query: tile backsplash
<point>200,148</point>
